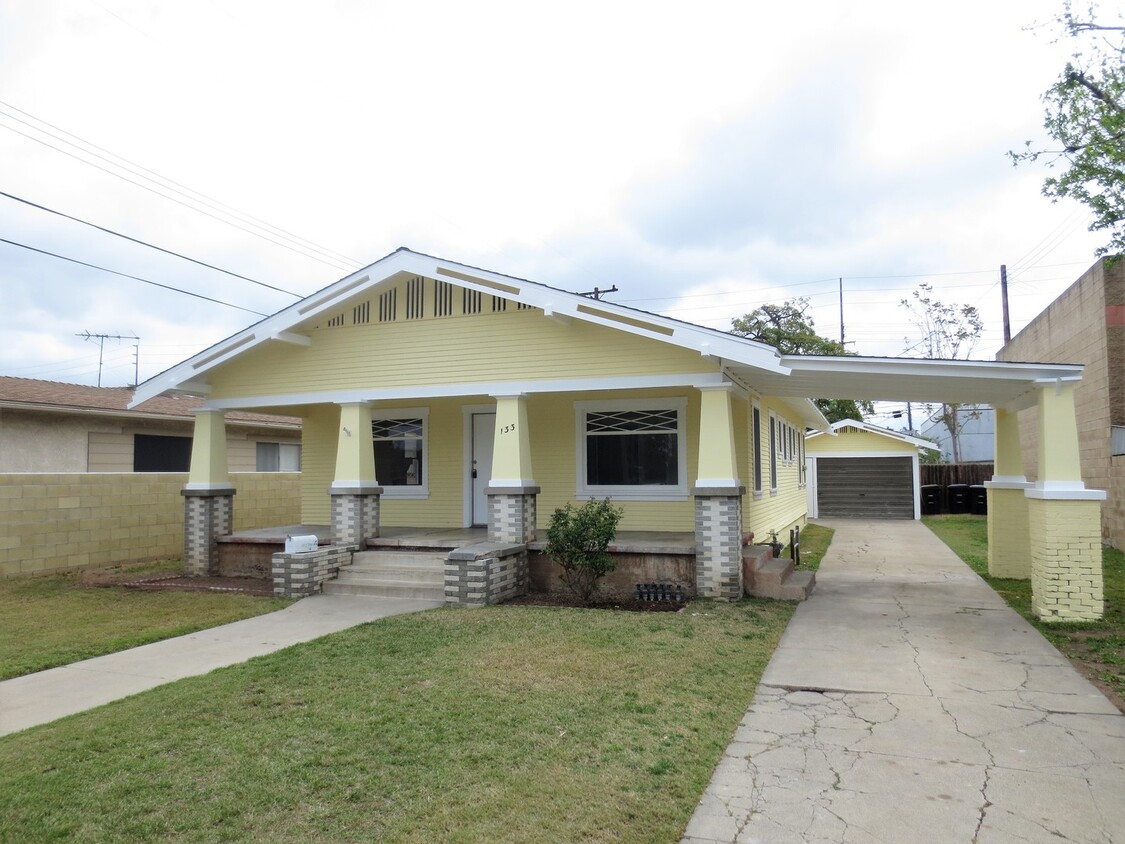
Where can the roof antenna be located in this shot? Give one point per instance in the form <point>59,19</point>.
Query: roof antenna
<point>597,294</point>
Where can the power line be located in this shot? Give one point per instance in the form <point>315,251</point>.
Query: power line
<point>269,231</point>
<point>146,243</point>
<point>134,277</point>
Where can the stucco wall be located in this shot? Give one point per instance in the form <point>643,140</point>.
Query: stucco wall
<point>52,522</point>
<point>1077,328</point>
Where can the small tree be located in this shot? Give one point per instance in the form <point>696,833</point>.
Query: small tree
<point>578,540</point>
<point>948,332</point>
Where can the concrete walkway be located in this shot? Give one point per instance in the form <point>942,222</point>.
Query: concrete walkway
<point>47,695</point>
<point>908,703</point>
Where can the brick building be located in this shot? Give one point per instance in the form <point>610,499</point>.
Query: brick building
<point>1086,324</point>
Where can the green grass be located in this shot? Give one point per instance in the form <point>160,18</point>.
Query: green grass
<point>815,540</point>
<point>56,620</point>
<point>507,723</point>
<point>1097,647</point>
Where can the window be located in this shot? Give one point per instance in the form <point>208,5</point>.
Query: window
<point>757,450</point>
<point>278,457</point>
<point>399,443</point>
<point>632,449</point>
<point>153,453</point>
<point>773,454</point>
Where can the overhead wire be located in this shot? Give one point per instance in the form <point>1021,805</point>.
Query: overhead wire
<point>134,277</point>
<point>146,243</point>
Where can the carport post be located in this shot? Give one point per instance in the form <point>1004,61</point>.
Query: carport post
<point>1009,552</point>
<point>1064,518</point>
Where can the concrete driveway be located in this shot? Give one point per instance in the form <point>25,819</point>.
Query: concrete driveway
<point>908,703</point>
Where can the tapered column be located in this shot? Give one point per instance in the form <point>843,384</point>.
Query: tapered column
<point>718,500</point>
<point>1009,553</point>
<point>1064,518</point>
<point>208,495</point>
<point>355,491</point>
<point>512,491</point>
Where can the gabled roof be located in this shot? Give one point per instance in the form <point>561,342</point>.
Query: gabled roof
<point>287,325</point>
<point>59,397</point>
<point>836,427</point>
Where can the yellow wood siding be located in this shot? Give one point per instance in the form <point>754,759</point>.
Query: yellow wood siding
<point>319,430</point>
<point>857,441</point>
<point>445,455</point>
<point>788,506</point>
<point>512,345</point>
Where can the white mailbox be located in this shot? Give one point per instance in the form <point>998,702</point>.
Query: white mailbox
<point>300,544</point>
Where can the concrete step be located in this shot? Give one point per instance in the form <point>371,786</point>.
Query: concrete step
<point>798,586</point>
<point>419,576</point>
<point>399,559</point>
<point>390,589</point>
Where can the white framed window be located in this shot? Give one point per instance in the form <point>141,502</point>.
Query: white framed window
<point>635,448</point>
<point>773,453</point>
<point>278,457</point>
<point>756,447</point>
<point>399,438</point>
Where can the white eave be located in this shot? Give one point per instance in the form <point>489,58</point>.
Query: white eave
<point>875,429</point>
<point>285,326</point>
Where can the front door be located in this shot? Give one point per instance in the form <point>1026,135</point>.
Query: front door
<point>484,429</point>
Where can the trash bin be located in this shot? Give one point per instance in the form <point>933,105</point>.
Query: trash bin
<point>978,494</point>
<point>957,498</point>
<point>931,500</point>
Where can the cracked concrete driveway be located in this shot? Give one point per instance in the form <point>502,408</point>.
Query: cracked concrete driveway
<point>908,703</point>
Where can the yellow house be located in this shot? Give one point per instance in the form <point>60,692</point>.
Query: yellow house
<point>435,394</point>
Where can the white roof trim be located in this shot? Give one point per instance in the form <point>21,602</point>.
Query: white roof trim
<point>559,303</point>
<point>875,429</point>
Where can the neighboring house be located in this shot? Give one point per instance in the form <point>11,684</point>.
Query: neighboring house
<point>1086,324</point>
<point>434,394</point>
<point>978,434</point>
<point>859,470</point>
<point>48,426</point>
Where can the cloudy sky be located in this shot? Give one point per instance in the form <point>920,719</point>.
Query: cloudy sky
<point>706,158</point>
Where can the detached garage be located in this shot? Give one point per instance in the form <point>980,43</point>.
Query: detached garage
<point>857,470</point>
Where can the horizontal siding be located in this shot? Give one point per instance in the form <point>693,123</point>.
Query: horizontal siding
<point>789,505</point>
<point>507,346</point>
<point>320,425</point>
<point>857,442</point>
<point>110,452</point>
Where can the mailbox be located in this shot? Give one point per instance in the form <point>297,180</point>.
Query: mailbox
<point>300,544</point>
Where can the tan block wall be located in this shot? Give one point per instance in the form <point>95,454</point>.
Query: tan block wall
<point>53,522</point>
<point>1073,329</point>
<point>1066,560</point>
<point>1009,554</point>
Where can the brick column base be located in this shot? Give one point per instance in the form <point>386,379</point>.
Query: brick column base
<point>512,515</point>
<point>355,515</point>
<point>485,573</point>
<point>208,514</point>
<point>718,543</point>
<point>1009,554</point>
<point>1066,559</point>
<point>299,575</point>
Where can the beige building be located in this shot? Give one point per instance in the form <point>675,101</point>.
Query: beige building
<point>1086,325</point>
<point>48,426</point>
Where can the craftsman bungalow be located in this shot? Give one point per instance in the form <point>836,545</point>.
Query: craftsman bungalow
<point>434,394</point>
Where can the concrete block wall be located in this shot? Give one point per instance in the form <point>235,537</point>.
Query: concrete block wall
<point>300,575</point>
<point>718,546</point>
<point>485,573</point>
<point>55,522</point>
<point>1066,560</point>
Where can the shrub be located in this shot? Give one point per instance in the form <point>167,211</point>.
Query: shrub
<point>578,539</point>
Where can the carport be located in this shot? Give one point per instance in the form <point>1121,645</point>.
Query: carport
<point>1047,530</point>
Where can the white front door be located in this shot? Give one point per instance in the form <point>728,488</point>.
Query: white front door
<point>484,429</point>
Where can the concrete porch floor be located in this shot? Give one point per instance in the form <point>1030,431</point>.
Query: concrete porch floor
<point>627,541</point>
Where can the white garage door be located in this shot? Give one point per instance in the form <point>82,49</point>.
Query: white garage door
<point>865,487</point>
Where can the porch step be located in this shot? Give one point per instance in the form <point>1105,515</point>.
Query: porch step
<point>766,576</point>
<point>392,574</point>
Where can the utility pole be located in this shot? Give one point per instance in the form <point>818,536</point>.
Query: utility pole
<point>841,311</point>
<point>1004,301</point>
<point>101,338</point>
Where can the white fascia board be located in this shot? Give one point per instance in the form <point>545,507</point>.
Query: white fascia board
<point>884,432</point>
<point>487,388</point>
<point>1032,373</point>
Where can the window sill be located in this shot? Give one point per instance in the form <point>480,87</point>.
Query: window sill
<point>405,493</point>
<point>625,494</point>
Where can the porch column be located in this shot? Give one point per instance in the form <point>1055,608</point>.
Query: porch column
<point>718,499</point>
<point>512,491</point>
<point>208,495</point>
<point>1064,518</point>
<point>355,491</point>
<point>1009,553</point>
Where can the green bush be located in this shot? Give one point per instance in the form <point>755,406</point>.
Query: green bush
<point>578,539</point>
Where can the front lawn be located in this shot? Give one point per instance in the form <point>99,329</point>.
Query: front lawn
<point>58,619</point>
<point>507,723</point>
<point>1096,648</point>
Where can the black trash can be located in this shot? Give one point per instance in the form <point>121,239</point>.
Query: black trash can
<point>957,498</point>
<point>979,496</point>
<point>931,499</point>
